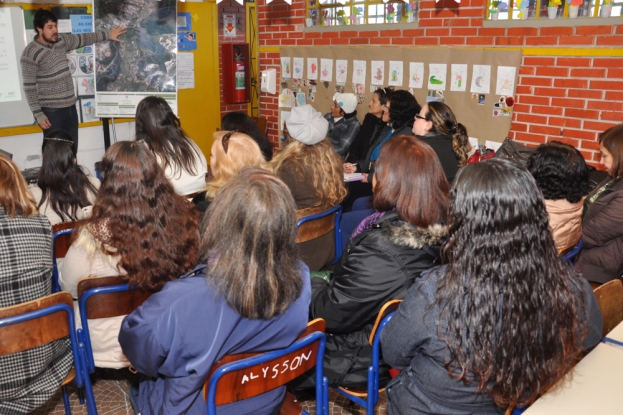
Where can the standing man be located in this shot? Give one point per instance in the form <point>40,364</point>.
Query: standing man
<point>48,84</point>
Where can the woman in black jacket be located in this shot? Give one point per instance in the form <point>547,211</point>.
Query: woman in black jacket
<point>386,254</point>
<point>436,125</point>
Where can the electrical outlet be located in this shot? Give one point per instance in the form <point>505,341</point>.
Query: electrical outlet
<point>33,157</point>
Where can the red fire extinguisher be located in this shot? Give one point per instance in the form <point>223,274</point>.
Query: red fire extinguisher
<point>240,87</point>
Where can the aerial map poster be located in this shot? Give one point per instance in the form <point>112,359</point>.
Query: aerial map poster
<point>144,64</point>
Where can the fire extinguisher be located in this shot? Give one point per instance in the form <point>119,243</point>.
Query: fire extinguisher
<point>240,87</point>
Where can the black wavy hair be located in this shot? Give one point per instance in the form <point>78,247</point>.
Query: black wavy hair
<point>384,94</point>
<point>61,179</point>
<point>403,108</point>
<point>560,172</point>
<point>511,312</point>
<point>41,17</point>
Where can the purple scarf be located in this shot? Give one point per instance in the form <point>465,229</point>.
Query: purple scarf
<point>367,223</point>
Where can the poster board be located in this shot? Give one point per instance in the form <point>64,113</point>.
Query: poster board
<point>144,64</point>
<point>476,110</point>
<point>14,109</point>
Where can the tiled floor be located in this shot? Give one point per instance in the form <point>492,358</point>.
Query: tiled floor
<point>111,395</point>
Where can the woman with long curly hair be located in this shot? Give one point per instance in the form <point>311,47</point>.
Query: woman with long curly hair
<point>140,228</point>
<point>313,172</point>
<point>63,190</point>
<point>602,226</point>
<point>182,161</point>
<point>436,125</point>
<point>562,175</point>
<point>504,319</point>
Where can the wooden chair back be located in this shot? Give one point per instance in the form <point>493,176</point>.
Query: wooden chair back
<point>388,308</point>
<point>610,299</point>
<point>38,331</point>
<point>242,384</point>
<point>62,242</point>
<point>262,123</point>
<point>314,228</point>
<point>108,305</point>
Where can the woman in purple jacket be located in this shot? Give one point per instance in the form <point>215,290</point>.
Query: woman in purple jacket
<point>251,294</point>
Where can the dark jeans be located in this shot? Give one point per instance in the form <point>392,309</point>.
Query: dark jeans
<point>63,119</point>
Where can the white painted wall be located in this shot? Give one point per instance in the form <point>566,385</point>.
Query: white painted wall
<point>90,145</point>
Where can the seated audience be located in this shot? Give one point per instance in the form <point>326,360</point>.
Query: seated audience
<point>29,378</point>
<point>601,258</point>
<point>250,294</point>
<point>140,228</point>
<point>183,162</point>
<point>504,319</point>
<point>239,121</point>
<point>436,125</point>
<point>231,151</point>
<point>313,171</point>
<point>562,175</point>
<point>62,191</point>
<point>343,122</point>
<point>384,257</point>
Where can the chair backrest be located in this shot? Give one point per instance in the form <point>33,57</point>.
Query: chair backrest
<point>388,308</point>
<point>105,297</point>
<point>361,203</point>
<point>350,221</point>
<point>262,123</point>
<point>243,376</point>
<point>315,225</point>
<point>62,240</point>
<point>570,254</point>
<point>610,299</point>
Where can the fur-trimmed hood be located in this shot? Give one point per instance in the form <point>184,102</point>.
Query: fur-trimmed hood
<point>402,233</point>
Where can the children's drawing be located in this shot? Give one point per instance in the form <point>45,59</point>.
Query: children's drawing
<point>395,73</point>
<point>505,84</point>
<point>458,77</point>
<point>86,85</point>
<point>481,79</point>
<point>359,72</point>
<point>437,76</point>
<point>286,98</point>
<point>341,70</point>
<point>298,64</point>
<point>378,72</point>
<point>286,72</point>
<point>416,74</point>
<point>326,70</point>
<point>312,68</point>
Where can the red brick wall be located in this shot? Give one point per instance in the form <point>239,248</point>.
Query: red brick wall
<point>570,99</point>
<point>230,7</point>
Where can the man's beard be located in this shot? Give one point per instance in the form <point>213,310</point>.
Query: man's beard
<point>49,40</point>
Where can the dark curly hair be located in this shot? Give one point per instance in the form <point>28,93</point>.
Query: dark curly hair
<point>402,110</point>
<point>153,230</point>
<point>511,306</point>
<point>560,172</point>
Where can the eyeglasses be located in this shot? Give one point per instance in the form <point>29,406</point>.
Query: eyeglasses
<point>419,117</point>
<point>225,140</point>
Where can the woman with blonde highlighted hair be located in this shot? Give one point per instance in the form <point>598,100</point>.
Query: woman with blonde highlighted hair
<point>29,378</point>
<point>313,172</point>
<point>231,151</point>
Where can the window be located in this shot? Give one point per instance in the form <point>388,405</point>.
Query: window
<point>540,9</point>
<point>359,12</point>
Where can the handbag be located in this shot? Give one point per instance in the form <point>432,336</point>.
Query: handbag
<point>482,153</point>
<point>514,151</point>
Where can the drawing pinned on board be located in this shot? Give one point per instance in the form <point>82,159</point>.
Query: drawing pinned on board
<point>341,71</point>
<point>437,76</point>
<point>505,84</point>
<point>481,99</point>
<point>395,73</point>
<point>298,64</point>
<point>458,77</point>
<point>71,62</point>
<point>86,85</point>
<point>339,89</point>
<point>416,74</point>
<point>286,98</point>
<point>481,79</point>
<point>326,70</point>
<point>378,72</point>
<point>300,99</point>
<point>286,72</point>
<point>359,72</point>
<point>312,68</point>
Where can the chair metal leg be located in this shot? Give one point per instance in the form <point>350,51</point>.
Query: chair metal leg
<point>66,401</point>
<point>81,396</point>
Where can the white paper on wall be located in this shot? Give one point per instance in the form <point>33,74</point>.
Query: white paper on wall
<point>481,79</point>
<point>458,77</point>
<point>416,74</point>
<point>359,72</point>
<point>395,73</point>
<point>286,69</point>
<point>377,69</point>
<point>341,71</point>
<point>505,83</point>
<point>437,76</point>
<point>326,70</point>
<point>298,65</point>
<point>312,68</point>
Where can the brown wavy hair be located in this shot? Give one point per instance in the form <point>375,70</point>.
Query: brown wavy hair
<point>319,162</point>
<point>14,197</point>
<point>511,312</point>
<point>152,229</point>
<point>444,123</point>
<point>409,177</point>
<point>248,241</point>
<point>612,140</point>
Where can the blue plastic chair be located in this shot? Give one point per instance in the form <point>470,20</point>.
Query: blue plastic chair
<point>44,316</point>
<point>59,251</point>
<point>232,379</point>
<point>370,397</point>
<point>337,210</point>
<point>350,221</point>
<point>569,257</point>
<point>361,203</point>
<point>104,297</point>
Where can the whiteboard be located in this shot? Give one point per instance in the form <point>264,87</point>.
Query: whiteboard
<point>14,109</point>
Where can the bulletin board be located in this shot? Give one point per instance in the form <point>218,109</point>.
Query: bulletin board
<point>486,115</point>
